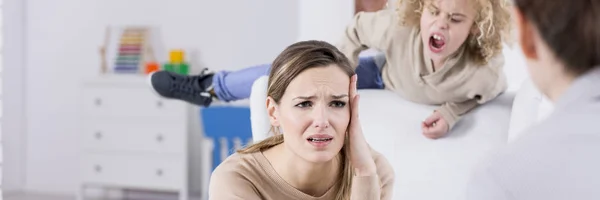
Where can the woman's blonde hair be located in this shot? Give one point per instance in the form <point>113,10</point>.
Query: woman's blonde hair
<point>493,22</point>
<point>287,66</point>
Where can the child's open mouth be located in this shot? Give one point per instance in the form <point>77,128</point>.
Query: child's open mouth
<point>437,43</point>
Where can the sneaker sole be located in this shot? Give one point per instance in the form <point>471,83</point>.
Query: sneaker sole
<point>149,82</point>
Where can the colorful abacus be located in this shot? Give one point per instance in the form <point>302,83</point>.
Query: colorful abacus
<point>130,51</point>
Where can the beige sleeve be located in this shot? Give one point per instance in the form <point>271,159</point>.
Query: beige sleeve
<point>452,112</point>
<point>367,30</point>
<point>376,187</point>
<point>482,91</point>
<point>228,184</point>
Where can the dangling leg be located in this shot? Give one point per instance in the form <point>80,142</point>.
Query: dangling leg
<point>201,89</point>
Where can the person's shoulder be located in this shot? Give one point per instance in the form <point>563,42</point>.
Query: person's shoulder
<point>492,69</point>
<point>237,167</point>
<point>529,162</point>
<point>389,20</point>
<point>240,174</point>
<point>487,79</point>
<point>537,143</point>
<point>383,14</point>
<point>385,171</point>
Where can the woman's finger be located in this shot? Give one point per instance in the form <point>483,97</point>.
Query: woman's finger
<point>353,89</point>
<point>353,97</point>
<point>355,107</point>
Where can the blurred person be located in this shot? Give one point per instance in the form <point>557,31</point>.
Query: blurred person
<point>557,158</point>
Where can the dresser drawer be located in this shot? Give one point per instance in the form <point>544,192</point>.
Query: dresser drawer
<point>129,102</point>
<point>134,136</point>
<point>161,173</point>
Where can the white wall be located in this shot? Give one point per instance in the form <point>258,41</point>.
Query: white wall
<point>324,20</point>
<point>63,37</point>
<point>13,117</point>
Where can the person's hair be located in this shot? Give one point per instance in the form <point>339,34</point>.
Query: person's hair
<point>493,21</point>
<point>571,28</point>
<point>294,60</point>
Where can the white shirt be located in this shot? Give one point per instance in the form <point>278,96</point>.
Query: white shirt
<point>557,159</point>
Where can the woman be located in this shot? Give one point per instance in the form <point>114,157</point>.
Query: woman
<point>318,151</point>
<point>558,158</point>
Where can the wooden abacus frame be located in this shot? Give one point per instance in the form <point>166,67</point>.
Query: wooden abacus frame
<point>146,51</point>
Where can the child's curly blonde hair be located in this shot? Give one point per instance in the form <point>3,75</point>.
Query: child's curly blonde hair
<point>493,21</point>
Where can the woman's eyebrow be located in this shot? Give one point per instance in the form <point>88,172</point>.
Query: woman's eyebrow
<point>339,96</point>
<point>305,97</point>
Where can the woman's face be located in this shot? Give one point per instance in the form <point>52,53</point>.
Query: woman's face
<point>314,113</point>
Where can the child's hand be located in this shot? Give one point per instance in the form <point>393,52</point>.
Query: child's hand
<point>435,126</point>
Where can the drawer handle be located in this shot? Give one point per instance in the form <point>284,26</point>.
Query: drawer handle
<point>98,168</point>
<point>98,135</point>
<point>159,138</point>
<point>159,104</point>
<point>159,172</point>
<point>98,101</point>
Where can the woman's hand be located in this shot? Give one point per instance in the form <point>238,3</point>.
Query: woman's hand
<point>360,152</point>
<point>435,126</point>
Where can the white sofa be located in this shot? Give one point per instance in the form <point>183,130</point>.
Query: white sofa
<point>428,169</point>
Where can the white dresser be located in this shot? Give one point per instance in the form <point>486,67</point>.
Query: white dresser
<point>131,138</point>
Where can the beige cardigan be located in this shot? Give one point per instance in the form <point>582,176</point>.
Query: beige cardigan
<point>251,177</point>
<point>458,87</point>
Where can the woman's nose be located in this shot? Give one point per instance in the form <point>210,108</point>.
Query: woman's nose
<point>320,117</point>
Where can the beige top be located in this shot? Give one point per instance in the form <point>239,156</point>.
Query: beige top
<point>251,177</point>
<point>458,86</point>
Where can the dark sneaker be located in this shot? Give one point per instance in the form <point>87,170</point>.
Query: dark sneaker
<point>194,89</point>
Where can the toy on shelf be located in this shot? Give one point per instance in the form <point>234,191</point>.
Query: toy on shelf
<point>177,62</point>
<point>151,67</point>
<point>129,50</point>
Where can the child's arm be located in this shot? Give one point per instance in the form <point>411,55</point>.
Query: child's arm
<point>487,84</point>
<point>451,112</point>
<point>367,30</point>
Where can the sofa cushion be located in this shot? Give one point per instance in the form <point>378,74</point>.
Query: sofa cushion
<point>425,168</point>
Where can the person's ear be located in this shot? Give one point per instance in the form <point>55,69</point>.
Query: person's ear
<point>526,35</point>
<point>273,111</point>
<point>474,30</point>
